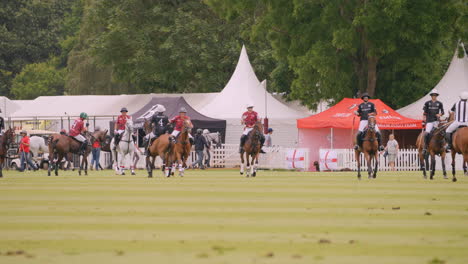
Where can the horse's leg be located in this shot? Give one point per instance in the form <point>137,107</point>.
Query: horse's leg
<point>2,160</point>
<point>132,168</point>
<point>148,166</point>
<point>242,163</point>
<point>254,165</point>
<point>442,158</point>
<point>369,165</point>
<point>85,158</point>
<point>433,163</point>
<point>357,154</point>
<point>59,158</point>
<point>179,162</point>
<point>81,164</point>
<point>51,161</point>
<point>465,163</point>
<point>376,158</point>
<point>422,165</point>
<point>454,178</point>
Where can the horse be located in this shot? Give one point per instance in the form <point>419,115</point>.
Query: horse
<point>251,150</point>
<point>436,146</point>
<point>5,140</point>
<point>211,139</point>
<point>162,147</point>
<point>182,147</point>
<point>37,145</point>
<point>61,146</point>
<point>125,147</point>
<point>460,146</point>
<point>369,148</point>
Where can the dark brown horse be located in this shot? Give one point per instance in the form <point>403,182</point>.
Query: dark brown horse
<point>182,147</point>
<point>5,140</point>
<point>435,147</point>
<point>61,145</point>
<point>370,148</point>
<point>251,150</point>
<point>161,147</point>
<point>460,146</point>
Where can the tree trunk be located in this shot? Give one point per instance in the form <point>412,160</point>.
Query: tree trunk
<point>371,75</point>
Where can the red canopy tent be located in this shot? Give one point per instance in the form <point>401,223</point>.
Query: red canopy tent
<point>333,128</point>
<point>342,116</point>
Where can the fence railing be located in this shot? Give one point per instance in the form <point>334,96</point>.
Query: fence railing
<point>406,160</point>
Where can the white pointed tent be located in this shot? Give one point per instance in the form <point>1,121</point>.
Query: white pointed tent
<point>450,86</point>
<point>244,88</point>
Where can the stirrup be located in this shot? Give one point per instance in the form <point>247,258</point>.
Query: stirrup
<point>356,147</point>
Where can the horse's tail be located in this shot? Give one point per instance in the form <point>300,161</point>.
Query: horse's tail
<point>52,144</point>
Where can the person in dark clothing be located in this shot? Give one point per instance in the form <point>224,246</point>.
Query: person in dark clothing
<point>200,144</point>
<point>365,109</point>
<point>433,110</point>
<point>159,123</point>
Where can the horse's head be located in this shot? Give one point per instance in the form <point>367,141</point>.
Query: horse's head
<point>100,135</point>
<point>187,126</point>
<point>258,126</point>
<point>9,136</point>
<point>147,127</point>
<point>371,123</point>
<point>129,125</point>
<point>217,139</point>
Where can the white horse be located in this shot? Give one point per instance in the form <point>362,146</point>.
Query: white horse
<point>212,139</point>
<point>125,147</point>
<point>37,145</point>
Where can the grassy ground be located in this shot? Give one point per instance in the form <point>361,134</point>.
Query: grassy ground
<point>218,216</point>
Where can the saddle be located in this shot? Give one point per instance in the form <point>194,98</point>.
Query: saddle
<point>363,135</point>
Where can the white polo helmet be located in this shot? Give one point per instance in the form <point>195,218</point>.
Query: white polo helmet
<point>434,92</point>
<point>160,108</point>
<point>464,95</point>
<point>249,105</point>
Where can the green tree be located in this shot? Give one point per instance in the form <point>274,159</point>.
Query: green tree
<point>338,48</point>
<point>30,32</point>
<point>38,79</point>
<point>136,46</point>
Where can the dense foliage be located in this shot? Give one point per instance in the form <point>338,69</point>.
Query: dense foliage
<point>312,50</point>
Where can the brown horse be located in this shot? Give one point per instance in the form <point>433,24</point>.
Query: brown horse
<point>251,150</point>
<point>370,148</point>
<point>5,140</point>
<point>61,145</point>
<point>161,147</point>
<point>460,146</point>
<point>182,147</point>
<point>436,146</point>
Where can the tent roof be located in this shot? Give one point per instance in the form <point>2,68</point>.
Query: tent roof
<point>172,105</point>
<point>94,105</point>
<point>450,86</point>
<point>8,106</point>
<point>244,88</point>
<point>341,116</point>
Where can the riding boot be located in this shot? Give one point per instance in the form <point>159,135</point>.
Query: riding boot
<point>358,140</point>
<point>116,140</point>
<point>134,137</point>
<point>83,146</point>
<point>262,141</point>
<point>379,140</point>
<point>191,141</point>
<point>448,138</point>
<point>242,142</point>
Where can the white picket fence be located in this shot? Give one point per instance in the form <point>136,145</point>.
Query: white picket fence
<point>227,156</point>
<point>407,160</point>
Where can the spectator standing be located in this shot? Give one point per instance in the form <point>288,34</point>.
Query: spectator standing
<point>392,150</point>
<point>24,152</point>
<point>200,144</point>
<point>268,141</point>
<point>96,153</point>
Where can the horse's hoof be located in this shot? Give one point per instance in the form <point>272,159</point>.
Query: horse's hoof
<point>149,176</point>
<point>445,177</point>
<point>133,173</point>
<point>425,176</point>
<point>241,173</point>
<point>254,174</point>
<point>454,179</point>
<point>123,173</point>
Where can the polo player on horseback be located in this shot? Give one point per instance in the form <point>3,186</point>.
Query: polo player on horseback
<point>179,124</point>
<point>365,109</point>
<point>119,127</point>
<point>2,124</point>
<point>77,129</point>
<point>460,109</point>
<point>158,122</point>
<point>249,118</point>
<point>433,110</point>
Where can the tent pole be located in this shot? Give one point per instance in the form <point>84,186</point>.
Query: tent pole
<point>331,139</point>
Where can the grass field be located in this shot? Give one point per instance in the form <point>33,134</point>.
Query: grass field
<point>218,216</point>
